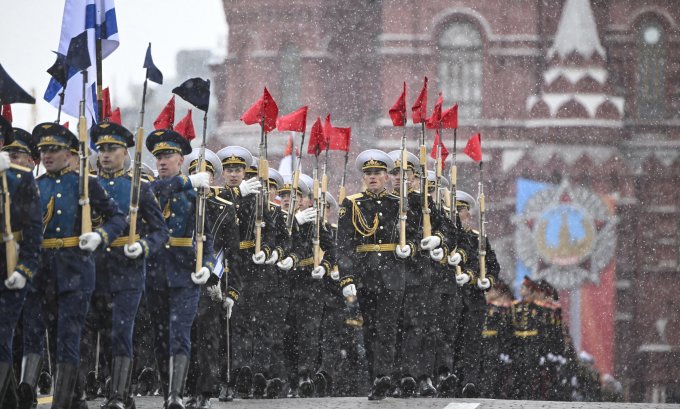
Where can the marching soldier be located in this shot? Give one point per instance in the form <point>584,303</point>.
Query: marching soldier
<point>23,149</point>
<point>528,331</point>
<point>121,267</point>
<point>172,279</point>
<point>67,269</point>
<point>368,235</point>
<point>219,295</point>
<point>307,283</point>
<point>496,340</point>
<point>20,189</point>
<point>468,350</point>
<point>418,336</point>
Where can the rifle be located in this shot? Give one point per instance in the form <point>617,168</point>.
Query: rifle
<point>137,172</point>
<point>293,191</point>
<point>342,194</point>
<point>454,181</point>
<point>317,203</point>
<point>83,152</point>
<point>8,237</point>
<point>482,229</point>
<point>438,170</point>
<point>201,199</point>
<point>263,196</point>
<point>427,227</point>
<point>403,191</point>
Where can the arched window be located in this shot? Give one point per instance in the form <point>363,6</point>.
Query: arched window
<point>651,71</point>
<point>460,68</point>
<point>290,67</point>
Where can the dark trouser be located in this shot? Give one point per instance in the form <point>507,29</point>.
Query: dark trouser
<point>64,316</point>
<point>526,370</point>
<point>33,328</point>
<point>491,367</point>
<point>469,343</point>
<point>380,309</point>
<point>143,339</point>
<point>418,342</point>
<point>207,330</point>
<point>174,310</point>
<point>332,333</point>
<point>11,302</point>
<point>97,322</point>
<point>304,320</point>
<point>447,327</point>
<point>268,326</point>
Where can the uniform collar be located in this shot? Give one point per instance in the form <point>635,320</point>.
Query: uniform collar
<point>376,195</point>
<point>113,175</point>
<point>62,172</point>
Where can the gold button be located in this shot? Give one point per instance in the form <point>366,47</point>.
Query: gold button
<point>58,180</point>
<point>111,183</point>
<point>380,214</point>
<point>108,249</point>
<point>60,243</point>
<point>167,246</point>
<point>379,241</point>
<point>170,230</point>
<point>221,207</point>
<point>172,215</point>
<point>19,176</point>
<point>381,227</point>
<point>376,247</point>
<point>58,211</point>
<point>58,194</point>
<point>379,254</point>
<point>58,229</point>
<point>379,202</point>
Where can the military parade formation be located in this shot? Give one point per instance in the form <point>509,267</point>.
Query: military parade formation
<point>216,276</point>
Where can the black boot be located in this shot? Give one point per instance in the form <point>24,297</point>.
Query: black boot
<point>5,375</point>
<point>426,389</point>
<point>203,401</point>
<point>30,371</point>
<point>244,382</point>
<point>179,366</point>
<point>118,392</point>
<point>146,381</point>
<point>226,393</point>
<point>274,387</point>
<point>470,390</point>
<point>64,383</point>
<point>259,385</point>
<point>448,383</point>
<point>408,386</point>
<point>381,385</point>
<point>305,386</point>
<point>321,383</point>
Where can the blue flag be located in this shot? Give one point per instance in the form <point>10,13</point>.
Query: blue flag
<point>152,72</point>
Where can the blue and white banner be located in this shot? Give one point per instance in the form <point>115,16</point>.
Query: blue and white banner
<point>98,18</point>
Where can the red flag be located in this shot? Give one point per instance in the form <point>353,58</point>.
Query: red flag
<point>264,108</point>
<point>473,149</point>
<point>7,112</point>
<point>317,142</point>
<point>289,145</point>
<point>450,118</point>
<point>340,139</point>
<point>295,121</point>
<point>166,118</point>
<point>419,109</point>
<point>185,127</point>
<point>433,121</point>
<point>444,152</point>
<point>106,104</point>
<point>65,124</point>
<point>115,117</point>
<point>398,110</point>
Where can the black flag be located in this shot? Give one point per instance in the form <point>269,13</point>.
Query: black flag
<point>195,91</point>
<point>58,70</point>
<point>11,92</point>
<point>78,55</point>
<point>152,72</point>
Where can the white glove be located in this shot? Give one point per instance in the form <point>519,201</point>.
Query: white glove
<point>285,264</point>
<point>430,242</point>
<point>437,254</point>
<point>318,272</point>
<point>201,276</point>
<point>133,251</point>
<point>90,241</point>
<point>200,179</point>
<point>228,305</point>
<point>250,186</point>
<point>335,275</point>
<point>305,216</point>
<point>403,252</point>
<point>483,284</point>
<point>4,161</point>
<point>16,281</point>
<point>462,279</point>
<point>455,259</point>
<point>259,258</point>
<point>215,293</point>
<point>273,258</point>
<point>350,290</point>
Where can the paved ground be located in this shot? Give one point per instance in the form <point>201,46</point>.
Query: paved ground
<point>360,403</point>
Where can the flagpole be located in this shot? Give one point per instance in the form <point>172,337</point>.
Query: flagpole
<point>341,193</point>
<point>137,171</point>
<point>438,170</point>
<point>317,203</point>
<point>296,182</point>
<point>427,227</point>
<point>201,199</point>
<point>98,56</point>
<point>454,182</point>
<point>482,230</point>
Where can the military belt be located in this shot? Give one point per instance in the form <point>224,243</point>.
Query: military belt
<point>181,242</point>
<point>487,333</point>
<point>365,248</point>
<point>123,240</point>
<point>248,244</point>
<point>60,242</point>
<point>525,334</point>
<point>306,262</point>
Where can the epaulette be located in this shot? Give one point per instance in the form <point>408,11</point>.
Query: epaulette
<point>19,167</point>
<point>93,176</point>
<point>355,196</point>
<point>334,225</point>
<point>225,201</point>
<point>392,195</point>
<point>274,204</point>
<point>216,190</point>
<point>515,302</point>
<point>474,231</point>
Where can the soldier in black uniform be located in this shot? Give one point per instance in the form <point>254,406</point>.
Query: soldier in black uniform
<point>468,346</point>
<point>67,267</point>
<point>368,251</point>
<point>307,291</point>
<point>496,342</point>
<point>173,278</point>
<point>219,294</point>
<point>418,335</point>
<point>26,227</point>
